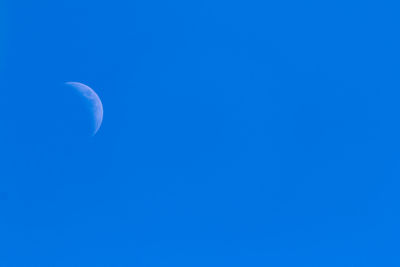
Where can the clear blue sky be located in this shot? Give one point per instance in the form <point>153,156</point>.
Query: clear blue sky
<point>236,133</point>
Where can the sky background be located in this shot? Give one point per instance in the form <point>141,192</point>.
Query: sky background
<point>235,133</point>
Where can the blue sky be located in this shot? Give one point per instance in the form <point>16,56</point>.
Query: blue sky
<point>235,133</point>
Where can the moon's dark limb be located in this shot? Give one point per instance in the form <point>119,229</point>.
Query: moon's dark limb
<point>93,101</point>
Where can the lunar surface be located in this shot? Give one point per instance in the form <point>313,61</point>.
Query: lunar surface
<point>93,103</point>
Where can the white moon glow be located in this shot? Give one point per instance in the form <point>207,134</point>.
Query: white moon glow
<point>94,102</point>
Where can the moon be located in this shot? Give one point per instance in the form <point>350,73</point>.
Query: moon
<point>93,103</point>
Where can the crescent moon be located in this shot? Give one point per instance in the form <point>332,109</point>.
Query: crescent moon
<point>94,101</point>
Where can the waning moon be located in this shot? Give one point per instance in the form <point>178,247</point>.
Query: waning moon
<point>94,101</point>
